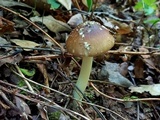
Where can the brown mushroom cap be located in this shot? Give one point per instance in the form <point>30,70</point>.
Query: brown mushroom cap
<point>89,39</point>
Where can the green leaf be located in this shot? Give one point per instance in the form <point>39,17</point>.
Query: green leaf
<point>89,4</point>
<point>149,2</point>
<point>152,21</point>
<point>54,4</point>
<point>54,115</point>
<point>148,6</point>
<point>138,6</point>
<point>21,83</point>
<point>149,10</point>
<point>134,97</point>
<point>27,72</point>
<point>127,98</point>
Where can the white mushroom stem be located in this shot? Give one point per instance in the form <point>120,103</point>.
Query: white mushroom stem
<point>83,78</point>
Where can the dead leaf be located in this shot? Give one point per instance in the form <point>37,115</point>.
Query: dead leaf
<point>149,63</point>
<point>148,59</point>
<point>107,22</point>
<point>66,3</point>
<point>123,28</point>
<point>3,41</point>
<point>110,71</point>
<point>25,44</point>
<point>3,105</point>
<point>40,4</point>
<point>64,117</point>
<point>156,59</point>
<point>52,24</point>
<point>75,20</point>
<point>139,68</point>
<point>123,68</point>
<point>43,70</point>
<point>22,105</point>
<point>43,112</point>
<point>11,3</point>
<point>142,49</point>
<point>11,59</point>
<point>152,89</point>
<point>6,26</point>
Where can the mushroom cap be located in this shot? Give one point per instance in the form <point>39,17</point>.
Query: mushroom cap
<point>89,39</point>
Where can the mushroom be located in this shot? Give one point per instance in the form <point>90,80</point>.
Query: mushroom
<point>88,40</point>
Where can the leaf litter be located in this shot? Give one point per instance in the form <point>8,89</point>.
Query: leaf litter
<point>127,77</point>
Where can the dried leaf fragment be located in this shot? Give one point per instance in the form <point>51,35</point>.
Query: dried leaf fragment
<point>52,24</point>
<point>25,44</point>
<point>66,3</point>
<point>152,89</point>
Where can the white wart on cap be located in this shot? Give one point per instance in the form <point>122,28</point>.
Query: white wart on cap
<point>89,39</point>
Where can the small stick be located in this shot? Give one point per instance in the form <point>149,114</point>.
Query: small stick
<point>123,100</point>
<point>32,23</point>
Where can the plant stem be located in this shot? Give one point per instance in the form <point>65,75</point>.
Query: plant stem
<point>83,77</point>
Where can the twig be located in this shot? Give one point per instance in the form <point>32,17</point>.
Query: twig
<point>122,100</point>
<point>32,23</point>
<point>84,112</point>
<point>132,53</point>
<point>35,100</point>
<point>27,83</point>
<point>79,8</point>
<point>43,57</point>
<point>40,84</point>
<point>95,108</point>
<point>4,97</point>
<point>19,47</point>
<point>129,44</point>
<point>47,102</point>
<point>113,17</point>
<point>103,13</point>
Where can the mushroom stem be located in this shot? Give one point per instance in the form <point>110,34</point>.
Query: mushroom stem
<point>83,78</point>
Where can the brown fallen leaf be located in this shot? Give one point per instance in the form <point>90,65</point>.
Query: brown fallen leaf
<point>123,28</point>
<point>52,24</point>
<point>11,59</point>
<point>25,44</point>
<point>6,26</point>
<point>142,49</point>
<point>139,68</point>
<point>43,70</point>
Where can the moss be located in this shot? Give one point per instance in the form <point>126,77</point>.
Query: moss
<point>54,115</point>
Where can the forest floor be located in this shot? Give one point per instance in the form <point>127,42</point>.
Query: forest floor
<point>38,75</point>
